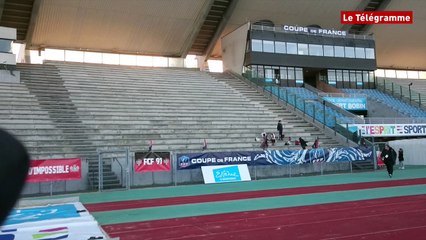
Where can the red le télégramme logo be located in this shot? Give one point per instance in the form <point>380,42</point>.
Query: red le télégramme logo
<point>376,17</point>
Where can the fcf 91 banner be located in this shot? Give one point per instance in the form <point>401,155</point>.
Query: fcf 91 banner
<point>54,170</point>
<point>152,162</point>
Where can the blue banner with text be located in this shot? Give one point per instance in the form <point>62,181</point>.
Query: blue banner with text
<point>354,104</point>
<point>274,157</point>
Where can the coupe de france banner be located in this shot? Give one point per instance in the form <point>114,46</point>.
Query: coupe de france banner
<point>196,160</point>
<point>54,170</point>
<point>152,162</point>
<point>274,157</point>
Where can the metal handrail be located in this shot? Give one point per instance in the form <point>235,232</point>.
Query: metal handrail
<point>331,105</point>
<point>121,167</point>
<point>399,91</point>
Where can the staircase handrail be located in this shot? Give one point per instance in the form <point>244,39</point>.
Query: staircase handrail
<point>331,105</point>
<point>398,91</point>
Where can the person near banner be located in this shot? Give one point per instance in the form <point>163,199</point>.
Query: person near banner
<point>316,143</point>
<point>401,158</point>
<point>280,130</point>
<point>389,155</point>
<point>303,143</point>
<point>363,143</point>
<point>272,138</point>
<point>264,143</point>
<point>288,141</point>
<point>14,164</point>
<point>204,144</point>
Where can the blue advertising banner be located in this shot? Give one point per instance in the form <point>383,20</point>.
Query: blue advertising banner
<point>42,213</point>
<point>285,157</point>
<point>359,103</point>
<point>228,174</point>
<point>196,160</point>
<point>274,157</point>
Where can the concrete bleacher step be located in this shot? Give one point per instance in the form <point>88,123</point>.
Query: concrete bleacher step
<point>73,110</point>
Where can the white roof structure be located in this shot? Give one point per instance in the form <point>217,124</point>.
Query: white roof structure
<point>176,28</point>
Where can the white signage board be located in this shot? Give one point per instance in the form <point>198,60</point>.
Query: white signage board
<point>388,130</point>
<point>225,173</point>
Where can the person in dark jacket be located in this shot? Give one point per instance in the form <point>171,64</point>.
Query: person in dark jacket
<point>401,158</point>
<point>389,155</point>
<point>14,164</point>
<point>280,130</point>
<point>316,143</point>
<point>303,143</point>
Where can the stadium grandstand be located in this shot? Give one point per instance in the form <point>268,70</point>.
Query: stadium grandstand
<point>162,119</point>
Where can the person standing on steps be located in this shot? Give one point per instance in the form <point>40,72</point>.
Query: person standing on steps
<point>389,155</point>
<point>280,130</point>
<point>401,158</point>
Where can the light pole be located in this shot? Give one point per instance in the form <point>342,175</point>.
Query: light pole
<point>409,90</point>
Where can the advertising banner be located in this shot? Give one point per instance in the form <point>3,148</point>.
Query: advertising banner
<point>53,221</point>
<point>286,157</point>
<point>152,162</point>
<point>196,160</point>
<point>390,130</point>
<point>54,170</point>
<point>274,157</point>
<point>228,173</point>
<point>354,104</point>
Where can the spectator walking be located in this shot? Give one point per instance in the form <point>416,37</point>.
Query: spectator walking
<point>389,156</point>
<point>280,130</point>
<point>401,158</point>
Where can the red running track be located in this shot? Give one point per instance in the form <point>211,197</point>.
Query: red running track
<point>121,205</point>
<point>386,218</point>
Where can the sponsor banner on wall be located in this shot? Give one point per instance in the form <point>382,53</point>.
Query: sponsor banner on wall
<point>42,213</point>
<point>228,173</point>
<point>57,221</point>
<point>274,157</point>
<point>81,230</point>
<point>353,104</point>
<point>54,170</point>
<point>286,157</point>
<point>152,162</point>
<point>196,160</point>
<point>390,130</point>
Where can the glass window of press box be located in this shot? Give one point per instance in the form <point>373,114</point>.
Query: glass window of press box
<point>349,78</point>
<point>283,76</point>
<point>5,46</point>
<point>280,47</point>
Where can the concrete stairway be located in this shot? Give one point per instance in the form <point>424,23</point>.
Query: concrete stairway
<point>293,125</point>
<point>65,110</point>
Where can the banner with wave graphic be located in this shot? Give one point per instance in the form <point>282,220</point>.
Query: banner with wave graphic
<point>285,157</point>
<point>273,157</point>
